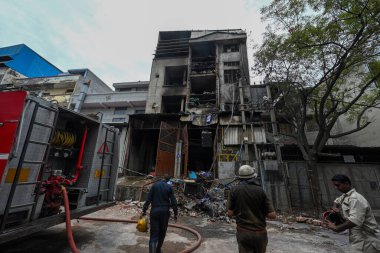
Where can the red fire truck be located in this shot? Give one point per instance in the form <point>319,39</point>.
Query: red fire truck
<point>46,150</point>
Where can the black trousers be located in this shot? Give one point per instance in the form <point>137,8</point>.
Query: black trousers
<point>159,219</point>
<point>251,241</point>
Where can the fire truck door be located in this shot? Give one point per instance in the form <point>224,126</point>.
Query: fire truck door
<point>11,107</point>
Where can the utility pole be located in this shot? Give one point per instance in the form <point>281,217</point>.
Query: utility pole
<point>243,120</point>
<point>277,144</point>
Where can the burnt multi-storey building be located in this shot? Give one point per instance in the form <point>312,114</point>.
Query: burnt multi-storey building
<point>197,116</point>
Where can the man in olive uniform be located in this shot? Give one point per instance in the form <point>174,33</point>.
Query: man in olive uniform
<point>359,218</point>
<point>249,204</point>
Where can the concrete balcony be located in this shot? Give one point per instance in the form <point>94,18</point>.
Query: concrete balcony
<point>117,99</point>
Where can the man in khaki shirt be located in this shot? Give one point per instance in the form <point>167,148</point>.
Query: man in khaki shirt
<point>359,218</point>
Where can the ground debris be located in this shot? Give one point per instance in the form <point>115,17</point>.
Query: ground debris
<point>205,199</point>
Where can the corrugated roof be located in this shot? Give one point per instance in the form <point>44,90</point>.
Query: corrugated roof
<point>28,62</point>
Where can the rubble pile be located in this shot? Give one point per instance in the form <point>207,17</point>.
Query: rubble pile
<point>214,203</point>
<point>292,219</point>
<point>202,198</point>
<point>207,198</point>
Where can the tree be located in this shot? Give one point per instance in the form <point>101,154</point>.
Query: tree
<point>325,54</point>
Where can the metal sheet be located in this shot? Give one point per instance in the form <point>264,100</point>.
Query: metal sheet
<point>259,135</point>
<point>24,194</point>
<point>270,164</point>
<point>166,150</point>
<point>92,161</point>
<point>226,170</point>
<point>235,135</point>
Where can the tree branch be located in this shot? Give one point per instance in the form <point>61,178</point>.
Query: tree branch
<point>362,90</point>
<point>338,72</point>
<point>350,132</point>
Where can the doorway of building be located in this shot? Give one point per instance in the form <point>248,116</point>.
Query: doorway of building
<point>201,151</point>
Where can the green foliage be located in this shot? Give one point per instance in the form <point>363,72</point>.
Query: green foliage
<point>321,51</point>
<point>374,68</point>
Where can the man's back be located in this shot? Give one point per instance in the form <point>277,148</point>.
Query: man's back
<point>250,205</point>
<point>161,195</point>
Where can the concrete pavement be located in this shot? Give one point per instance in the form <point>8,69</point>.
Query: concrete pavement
<point>97,236</point>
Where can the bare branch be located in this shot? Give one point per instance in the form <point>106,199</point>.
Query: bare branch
<point>323,44</point>
<point>359,95</point>
<point>350,132</point>
<point>337,74</point>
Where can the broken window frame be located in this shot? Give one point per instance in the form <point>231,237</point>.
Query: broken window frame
<point>169,81</point>
<point>203,65</point>
<point>230,48</point>
<point>202,91</point>
<point>231,75</point>
<point>176,101</point>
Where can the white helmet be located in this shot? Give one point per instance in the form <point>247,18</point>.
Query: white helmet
<point>247,172</point>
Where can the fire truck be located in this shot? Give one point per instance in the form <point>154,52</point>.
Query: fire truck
<point>46,150</point>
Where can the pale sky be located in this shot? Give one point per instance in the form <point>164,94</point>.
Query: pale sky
<point>116,39</point>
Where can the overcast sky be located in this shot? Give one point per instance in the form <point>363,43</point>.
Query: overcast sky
<point>116,39</point>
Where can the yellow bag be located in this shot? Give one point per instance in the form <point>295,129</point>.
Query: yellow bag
<point>142,225</point>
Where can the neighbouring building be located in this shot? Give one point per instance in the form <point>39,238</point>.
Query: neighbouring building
<point>82,91</point>
<point>284,171</point>
<point>115,107</point>
<point>20,61</point>
<point>77,89</point>
<point>25,61</point>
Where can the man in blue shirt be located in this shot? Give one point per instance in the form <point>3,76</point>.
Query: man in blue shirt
<point>161,197</point>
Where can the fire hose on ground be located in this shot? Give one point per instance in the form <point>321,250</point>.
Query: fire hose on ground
<point>193,247</point>
<point>70,237</point>
<point>68,222</point>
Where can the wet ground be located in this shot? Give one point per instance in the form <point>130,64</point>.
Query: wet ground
<point>217,236</point>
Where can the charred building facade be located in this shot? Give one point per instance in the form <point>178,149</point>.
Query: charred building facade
<point>197,111</point>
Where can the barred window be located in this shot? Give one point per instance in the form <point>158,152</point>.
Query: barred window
<point>139,111</point>
<point>118,120</point>
<point>232,63</point>
<point>231,75</point>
